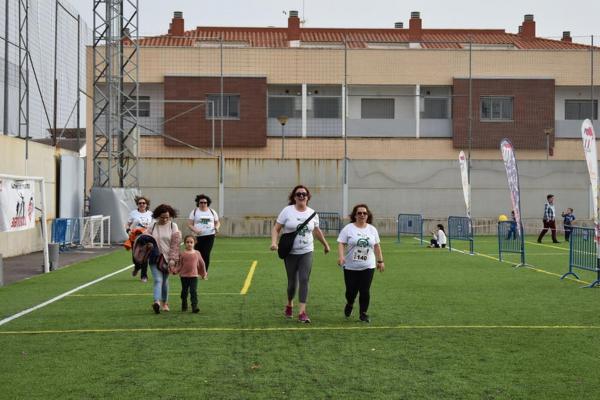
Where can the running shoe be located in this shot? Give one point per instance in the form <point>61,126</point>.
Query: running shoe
<point>364,318</point>
<point>348,310</point>
<point>165,307</point>
<point>289,312</point>
<point>302,317</point>
<point>156,308</point>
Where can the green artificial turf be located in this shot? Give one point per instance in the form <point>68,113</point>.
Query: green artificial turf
<point>443,325</point>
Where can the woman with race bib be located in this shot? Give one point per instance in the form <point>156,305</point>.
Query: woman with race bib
<point>359,253</point>
<point>298,263</point>
<point>204,223</point>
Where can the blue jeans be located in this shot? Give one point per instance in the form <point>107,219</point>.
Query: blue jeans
<point>161,284</point>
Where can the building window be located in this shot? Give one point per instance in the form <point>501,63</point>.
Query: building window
<point>290,106</point>
<point>143,104</point>
<point>496,108</point>
<point>580,109</point>
<point>377,109</point>
<point>326,107</point>
<point>231,106</point>
<point>435,108</point>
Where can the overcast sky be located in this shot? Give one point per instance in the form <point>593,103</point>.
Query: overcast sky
<point>581,17</point>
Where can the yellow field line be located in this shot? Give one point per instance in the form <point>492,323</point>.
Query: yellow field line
<point>248,280</point>
<point>311,328</point>
<point>547,245</point>
<point>140,294</point>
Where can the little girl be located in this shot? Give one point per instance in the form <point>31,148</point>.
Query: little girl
<point>439,237</point>
<point>191,265</point>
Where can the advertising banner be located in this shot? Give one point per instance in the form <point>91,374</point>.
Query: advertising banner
<point>16,205</point>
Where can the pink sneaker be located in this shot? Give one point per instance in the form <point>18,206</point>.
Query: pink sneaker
<point>288,312</point>
<point>165,307</point>
<point>302,317</point>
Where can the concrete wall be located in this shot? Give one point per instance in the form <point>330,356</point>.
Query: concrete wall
<point>41,163</point>
<point>256,190</point>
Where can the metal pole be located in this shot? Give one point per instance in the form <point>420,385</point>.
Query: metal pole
<point>1,271</point>
<point>78,81</point>
<point>55,66</point>
<point>592,79</point>
<point>44,227</point>
<point>222,158</point>
<point>345,178</point>
<point>470,128</point>
<point>5,115</point>
<point>282,141</point>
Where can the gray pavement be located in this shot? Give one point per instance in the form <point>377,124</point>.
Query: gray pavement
<point>28,265</point>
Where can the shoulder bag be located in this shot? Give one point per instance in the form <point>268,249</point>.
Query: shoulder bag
<point>286,241</point>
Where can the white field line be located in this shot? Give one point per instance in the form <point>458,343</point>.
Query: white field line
<point>61,296</point>
<point>528,266</point>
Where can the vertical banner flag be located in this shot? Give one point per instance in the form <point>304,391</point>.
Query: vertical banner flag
<point>589,148</point>
<point>464,174</point>
<point>512,173</point>
<point>16,205</point>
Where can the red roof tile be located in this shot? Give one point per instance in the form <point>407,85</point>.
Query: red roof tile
<point>358,38</point>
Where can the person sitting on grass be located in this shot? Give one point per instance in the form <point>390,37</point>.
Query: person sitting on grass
<point>439,238</point>
<point>190,266</point>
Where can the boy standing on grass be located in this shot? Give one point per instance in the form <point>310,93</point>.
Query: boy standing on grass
<point>191,265</point>
<point>549,219</point>
<point>568,218</point>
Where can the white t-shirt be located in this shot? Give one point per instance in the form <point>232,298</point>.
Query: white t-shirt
<point>290,218</point>
<point>137,219</point>
<point>204,221</point>
<point>360,246</point>
<point>440,237</point>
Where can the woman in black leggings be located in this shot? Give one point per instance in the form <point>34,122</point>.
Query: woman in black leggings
<point>204,223</point>
<point>359,253</point>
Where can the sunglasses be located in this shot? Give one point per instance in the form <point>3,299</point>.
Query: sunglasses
<point>301,194</point>
<point>362,213</point>
<point>203,202</point>
<point>141,202</point>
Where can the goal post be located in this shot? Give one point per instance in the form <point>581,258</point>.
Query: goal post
<point>20,211</point>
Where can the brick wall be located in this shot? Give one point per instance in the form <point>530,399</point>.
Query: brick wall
<point>533,111</point>
<point>192,127</point>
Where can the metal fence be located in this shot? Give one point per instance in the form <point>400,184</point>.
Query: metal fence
<point>583,253</point>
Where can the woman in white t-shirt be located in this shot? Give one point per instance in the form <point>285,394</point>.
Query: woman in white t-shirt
<point>439,238</point>
<point>359,253</point>
<point>141,217</point>
<point>204,223</point>
<point>298,263</point>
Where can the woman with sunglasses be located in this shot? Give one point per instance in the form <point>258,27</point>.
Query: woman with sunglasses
<point>139,219</point>
<point>204,223</point>
<point>298,263</point>
<point>359,253</point>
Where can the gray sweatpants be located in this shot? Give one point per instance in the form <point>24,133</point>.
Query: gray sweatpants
<point>298,268</point>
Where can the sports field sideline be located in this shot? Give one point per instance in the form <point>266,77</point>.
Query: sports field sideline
<point>443,325</point>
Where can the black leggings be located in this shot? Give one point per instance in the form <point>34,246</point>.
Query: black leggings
<point>359,282</point>
<point>204,245</point>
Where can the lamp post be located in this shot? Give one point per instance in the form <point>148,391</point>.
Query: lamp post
<point>548,132</point>
<point>282,120</point>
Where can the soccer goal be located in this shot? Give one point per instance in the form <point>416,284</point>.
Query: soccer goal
<point>18,205</point>
<point>95,231</point>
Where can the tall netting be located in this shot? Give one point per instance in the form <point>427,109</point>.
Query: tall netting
<point>46,53</point>
<point>365,119</point>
